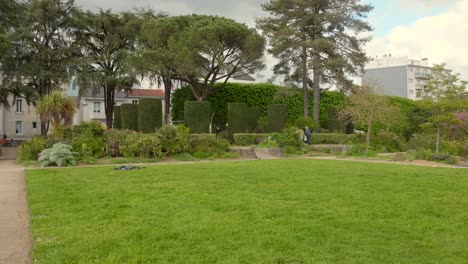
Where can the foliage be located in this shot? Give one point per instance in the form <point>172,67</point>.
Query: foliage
<point>254,114</point>
<point>114,139</point>
<point>140,145</point>
<point>422,141</point>
<point>149,115</point>
<point>173,140</point>
<point>361,150</point>
<point>289,137</point>
<point>262,125</point>
<point>268,142</point>
<point>247,139</point>
<point>197,116</point>
<point>60,154</point>
<point>29,151</point>
<point>388,142</point>
<point>303,122</point>
<point>55,107</point>
<point>206,146</point>
<point>330,138</point>
<point>61,133</point>
<point>88,139</point>
<point>129,115</point>
<point>117,117</point>
<point>326,37</point>
<point>276,117</point>
<point>237,119</point>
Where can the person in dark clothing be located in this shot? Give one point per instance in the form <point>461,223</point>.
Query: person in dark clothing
<point>307,134</point>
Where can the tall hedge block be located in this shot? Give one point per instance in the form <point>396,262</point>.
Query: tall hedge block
<point>197,116</point>
<point>117,117</point>
<point>276,117</point>
<point>149,115</point>
<point>252,118</point>
<point>237,118</point>
<point>129,116</point>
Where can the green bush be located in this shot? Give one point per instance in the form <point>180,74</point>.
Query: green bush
<point>359,150</point>
<point>206,145</point>
<point>422,141</point>
<point>289,137</point>
<point>302,122</point>
<point>117,117</point>
<point>330,138</point>
<point>61,133</point>
<point>388,142</point>
<point>115,138</point>
<point>262,125</point>
<point>173,140</point>
<point>60,154</point>
<point>88,139</point>
<point>247,139</point>
<point>140,145</point>
<point>268,143</point>
<point>276,117</point>
<point>254,114</point>
<point>197,116</point>
<point>129,116</point>
<point>29,151</point>
<point>149,115</point>
<point>237,119</point>
<point>93,128</point>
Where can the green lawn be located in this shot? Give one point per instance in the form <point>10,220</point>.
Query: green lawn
<point>282,211</point>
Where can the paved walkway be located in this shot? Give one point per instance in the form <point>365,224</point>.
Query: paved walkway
<point>15,239</point>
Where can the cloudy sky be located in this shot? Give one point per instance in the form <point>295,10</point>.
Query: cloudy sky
<point>433,29</point>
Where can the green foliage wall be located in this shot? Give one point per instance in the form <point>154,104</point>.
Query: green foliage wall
<point>197,116</point>
<point>237,118</point>
<point>149,115</point>
<point>258,95</point>
<point>276,117</point>
<point>129,116</point>
<point>254,113</point>
<point>117,117</point>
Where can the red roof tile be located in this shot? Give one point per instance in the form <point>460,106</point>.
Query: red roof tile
<point>146,93</point>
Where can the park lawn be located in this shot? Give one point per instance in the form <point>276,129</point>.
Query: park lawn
<point>281,211</point>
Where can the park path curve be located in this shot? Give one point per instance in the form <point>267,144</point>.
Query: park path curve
<point>15,238</point>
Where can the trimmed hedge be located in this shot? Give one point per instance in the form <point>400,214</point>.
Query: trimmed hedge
<point>331,138</point>
<point>237,114</point>
<point>254,113</point>
<point>129,116</point>
<point>276,117</point>
<point>197,116</point>
<point>117,117</point>
<point>247,139</point>
<point>149,115</point>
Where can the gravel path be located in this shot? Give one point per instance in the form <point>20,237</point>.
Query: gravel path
<point>15,238</point>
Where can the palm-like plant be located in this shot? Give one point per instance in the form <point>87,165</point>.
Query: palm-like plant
<point>56,107</point>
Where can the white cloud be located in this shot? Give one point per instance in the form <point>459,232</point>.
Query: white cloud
<point>441,38</point>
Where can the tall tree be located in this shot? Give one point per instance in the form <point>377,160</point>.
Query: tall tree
<point>213,49</point>
<point>155,57</point>
<point>443,96</point>
<point>41,50</point>
<point>325,36</point>
<point>106,39</point>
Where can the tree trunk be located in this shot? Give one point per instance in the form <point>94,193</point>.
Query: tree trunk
<point>167,99</point>
<point>44,129</point>
<point>438,140</point>
<point>109,105</point>
<point>369,129</point>
<point>304,82</point>
<point>316,94</point>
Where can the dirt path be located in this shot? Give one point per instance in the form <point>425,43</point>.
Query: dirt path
<point>15,239</point>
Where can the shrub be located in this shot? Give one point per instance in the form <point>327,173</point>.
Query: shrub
<point>88,139</point>
<point>61,133</point>
<point>360,150</point>
<point>29,151</point>
<point>197,116</point>
<point>388,142</point>
<point>330,138</point>
<point>268,143</point>
<point>262,125</point>
<point>60,154</point>
<point>114,139</point>
<point>247,139</point>
<point>173,139</point>
<point>237,119</point>
<point>140,145</point>
<point>289,137</point>
<point>422,141</point>
<point>93,128</point>
<point>302,122</point>
<point>149,115</point>
<point>254,113</point>
<point>276,117</point>
<point>117,117</point>
<point>206,145</point>
<point>129,116</point>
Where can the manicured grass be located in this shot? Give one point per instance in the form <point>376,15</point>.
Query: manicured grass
<point>282,211</point>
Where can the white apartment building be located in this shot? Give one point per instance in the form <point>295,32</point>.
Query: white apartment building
<point>398,76</point>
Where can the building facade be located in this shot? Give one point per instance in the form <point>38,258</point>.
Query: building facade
<point>399,76</point>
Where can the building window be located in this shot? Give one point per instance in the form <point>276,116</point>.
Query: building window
<point>19,127</point>
<point>134,101</point>
<point>34,125</point>
<point>97,107</point>
<point>19,105</point>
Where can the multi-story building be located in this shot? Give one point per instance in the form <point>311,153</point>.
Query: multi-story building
<point>398,76</point>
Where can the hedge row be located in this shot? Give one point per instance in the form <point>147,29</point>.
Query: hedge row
<point>149,115</point>
<point>237,113</point>
<point>117,117</point>
<point>330,138</point>
<point>247,139</point>
<point>276,117</point>
<point>197,116</point>
<point>129,115</point>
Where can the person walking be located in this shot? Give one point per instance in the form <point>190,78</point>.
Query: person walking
<point>307,134</point>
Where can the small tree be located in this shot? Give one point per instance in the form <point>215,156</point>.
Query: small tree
<point>55,107</point>
<point>443,96</point>
<point>364,108</point>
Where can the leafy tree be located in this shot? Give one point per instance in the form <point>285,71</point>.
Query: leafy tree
<point>55,107</point>
<point>213,49</point>
<point>364,107</point>
<point>443,96</point>
<point>326,37</point>
<point>41,50</point>
<point>106,40</point>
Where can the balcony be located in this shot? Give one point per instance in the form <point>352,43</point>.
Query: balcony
<point>422,75</point>
<point>97,116</point>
